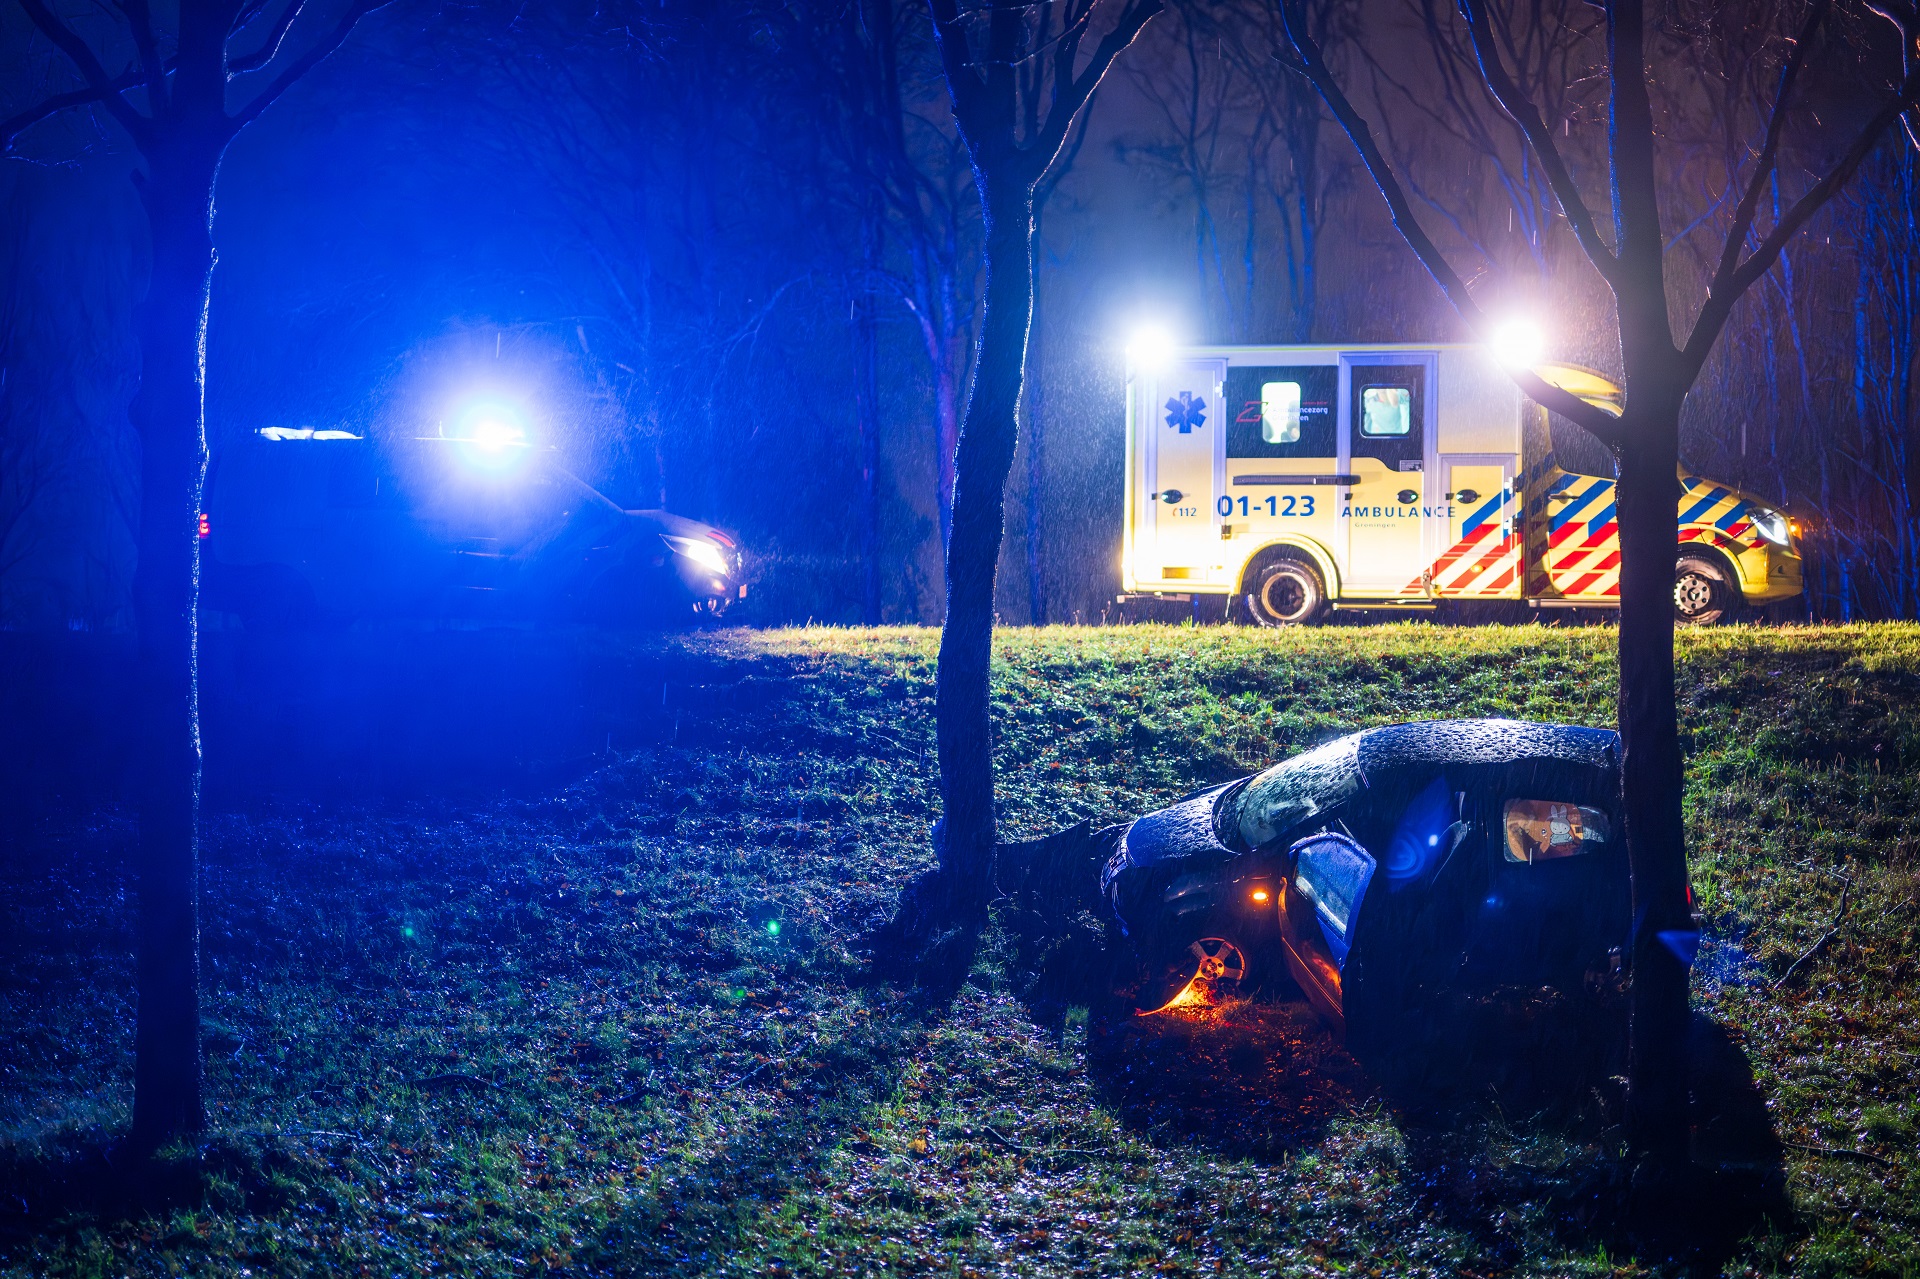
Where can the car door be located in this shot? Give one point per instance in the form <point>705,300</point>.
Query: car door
<point>1319,910</point>
<point>1188,421</point>
<point>1386,428</point>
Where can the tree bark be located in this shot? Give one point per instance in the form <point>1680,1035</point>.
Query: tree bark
<point>946,423</point>
<point>1652,775</point>
<point>988,436</point>
<point>167,414</point>
<point>1036,448</point>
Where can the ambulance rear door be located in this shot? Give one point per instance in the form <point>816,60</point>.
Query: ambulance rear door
<point>1387,430</point>
<point>1184,423</point>
<point>1483,534</point>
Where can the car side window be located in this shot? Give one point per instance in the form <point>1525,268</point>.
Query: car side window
<point>1541,830</point>
<point>1332,872</point>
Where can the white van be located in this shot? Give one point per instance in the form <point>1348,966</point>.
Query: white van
<point>1300,479</point>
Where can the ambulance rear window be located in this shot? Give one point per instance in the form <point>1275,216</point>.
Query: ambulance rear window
<point>1280,412</point>
<point>1386,411</point>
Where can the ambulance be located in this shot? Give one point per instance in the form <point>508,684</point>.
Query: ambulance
<point>1298,480</point>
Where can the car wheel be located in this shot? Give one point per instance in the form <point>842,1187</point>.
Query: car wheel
<point>1702,595</point>
<point>1208,970</point>
<point>1284,591</point>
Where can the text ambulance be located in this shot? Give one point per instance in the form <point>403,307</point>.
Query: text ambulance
<point>1298,479</point>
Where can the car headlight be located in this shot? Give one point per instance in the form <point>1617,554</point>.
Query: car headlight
<point>1771,525</point>
<point>705,554</point>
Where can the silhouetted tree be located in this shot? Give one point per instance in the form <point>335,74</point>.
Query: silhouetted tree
<point>1034,388</point>
<point>1014,126</point>
<point>182,99</point>
<point>1659,371</point>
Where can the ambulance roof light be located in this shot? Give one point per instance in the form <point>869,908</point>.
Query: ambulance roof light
<point>1150,348</point>
<point>1517,342</point>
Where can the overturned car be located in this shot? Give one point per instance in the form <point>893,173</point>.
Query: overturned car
<point>1388,872</point>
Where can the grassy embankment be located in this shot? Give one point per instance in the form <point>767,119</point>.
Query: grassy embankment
<point>616,1027</point>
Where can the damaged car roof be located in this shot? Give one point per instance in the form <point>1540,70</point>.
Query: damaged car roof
<point>1280,799</point>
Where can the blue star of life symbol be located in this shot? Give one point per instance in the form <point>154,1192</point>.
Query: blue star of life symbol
<point>1186,411</point>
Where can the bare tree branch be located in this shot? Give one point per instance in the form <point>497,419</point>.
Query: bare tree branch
<point>13,126</point>
<point>307,61</point>
<point>1524,114</point>
<point>98,81</point>
<point>269,47</point>
<point>1073,94</point>
<point>140,25</point>
<point>1314,66</point>
<point>1719,304</point>
<point>1763,165</point>
<point>950,34</point>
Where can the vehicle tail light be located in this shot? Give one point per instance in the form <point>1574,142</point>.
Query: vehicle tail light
<point>205,526</point>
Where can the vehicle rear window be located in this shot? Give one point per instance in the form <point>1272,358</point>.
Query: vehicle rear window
<point>1280,412</point>
<point>1541,830</point>
<point>1284,411</point>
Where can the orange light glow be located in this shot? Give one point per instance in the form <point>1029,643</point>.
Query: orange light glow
<point>1260,894</point>
<point>205,526</point>
<point>1197,993</point>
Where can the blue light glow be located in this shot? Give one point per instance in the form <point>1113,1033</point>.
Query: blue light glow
<point>491,434</point>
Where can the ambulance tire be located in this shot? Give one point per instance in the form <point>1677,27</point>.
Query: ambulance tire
<point>1703,591</point>
<point>1284,590</point>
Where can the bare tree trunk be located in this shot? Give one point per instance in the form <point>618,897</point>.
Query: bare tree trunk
<point>181,136</point>
<point>867,402</point>
<point>167,413</point>
<point>1036,448</point>
<point>946,435</point>
<point>988,438</point>
<point>1651,779</point>
<point>989,105</point>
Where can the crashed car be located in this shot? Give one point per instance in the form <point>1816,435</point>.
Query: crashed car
<point>1387,870</point>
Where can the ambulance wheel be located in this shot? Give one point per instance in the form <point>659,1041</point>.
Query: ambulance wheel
<point>1284,591</point>
<point>1702,593</point>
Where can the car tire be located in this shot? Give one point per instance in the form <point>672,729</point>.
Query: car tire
<point>1703,595</point>
<point>1284,590</point>
<point>1216,966</point>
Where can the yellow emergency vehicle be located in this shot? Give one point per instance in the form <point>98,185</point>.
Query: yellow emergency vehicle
<point>1300,479</point>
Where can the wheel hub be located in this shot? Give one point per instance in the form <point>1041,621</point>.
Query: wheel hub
<point>1282,595</point>
<point>1693,594</point>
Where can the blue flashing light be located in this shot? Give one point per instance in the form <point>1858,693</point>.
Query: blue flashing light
<point>491,434</point>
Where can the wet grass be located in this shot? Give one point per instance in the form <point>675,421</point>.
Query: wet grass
<point>616,1025</point>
